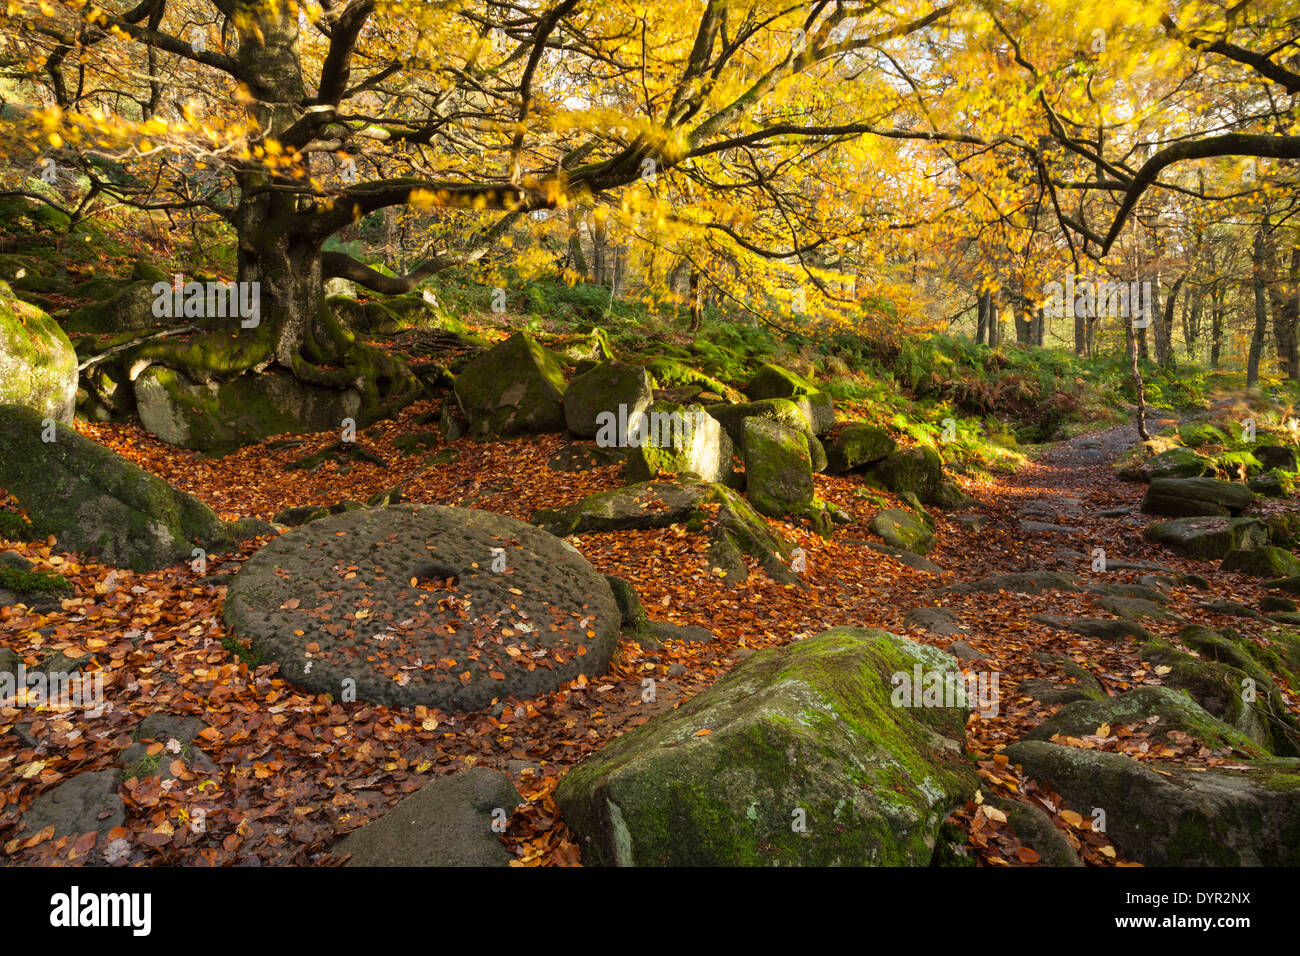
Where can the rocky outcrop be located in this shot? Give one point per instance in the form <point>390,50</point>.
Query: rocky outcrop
<point>95,501</point>
<point>803,755</point>
<point>38,368</point>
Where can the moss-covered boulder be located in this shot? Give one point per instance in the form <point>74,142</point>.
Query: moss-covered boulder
<point>127,309</point>
<point>670,373</point>
<point>802,755</point>
<point>1207,537</point>
<point>917,470</point>
<point>679,440</point>
<point>97,502</point>
<point>856,445</point>
<point>735,529</point>
<point>1190,497</point>
<point>774,381</point>
<point>951,498</point>
<point>1228,681</point>
<point>38,367</point>
<point>220,416</point>
<point>1273,484</point>
<point>903,529</point>
<point>1173,709</point>
<point>1169,815</point>
<point>1176,463</point>
<point>610,391</point>
<point>514,387</point>
<point>819,409</point>
<point>782,410</point>
<point>778,468</point>
<point>575,348</point>
<point>1265,562</point>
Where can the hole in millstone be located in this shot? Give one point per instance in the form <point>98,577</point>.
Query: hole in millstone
<point>434,577</point>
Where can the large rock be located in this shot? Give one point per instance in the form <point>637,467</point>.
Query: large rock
<point>819,409</point>
<point>773,381</point>
<point>1177,816</point>
<point>440,643</point>
<point>1264,562</point>
<point>222,416</point>
<point>516,386</point>
<point>97,502</point>
<point>778,469</point>
<point>736,530</point>
<point>1019,582</point>
<point>1229,681</point>
<point>806,760</point>
<point>782,410</point>
<point>83,803</point>
<point>902,529</point>
<point>609,389</point>
<point>1208,537</point>
<point>449,822</point>
<point>856,445</point>
<point>38,367</point>
<point>679,440</point>
<point>126,308</point>
<point>918,470</point>
<point>1179,497</point>
<point>1173,709</point>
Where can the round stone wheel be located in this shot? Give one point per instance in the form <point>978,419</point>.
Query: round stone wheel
<point>405,602</point>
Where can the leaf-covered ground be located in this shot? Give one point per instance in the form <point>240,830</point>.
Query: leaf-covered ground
<point>298,770</point>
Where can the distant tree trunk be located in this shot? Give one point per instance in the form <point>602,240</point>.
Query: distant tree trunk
<point>1216,327</point>
<point>697,301</point>
<point>599,234</point>
<point>1192,323</point>
<point>1024,320</point>
<point>576,256</point>
<point>1165,325</point>
<point>1284,295</point>
<point>1261,309</point>
<point>982,321</point>
<point>1040,320</point>
<point>1139,390</point>
<point>995,325</point>
<point>1080,330</point>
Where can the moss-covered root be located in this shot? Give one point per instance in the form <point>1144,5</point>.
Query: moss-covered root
<point>332,356</point>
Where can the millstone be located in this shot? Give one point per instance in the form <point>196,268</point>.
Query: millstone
<point>334,601</point>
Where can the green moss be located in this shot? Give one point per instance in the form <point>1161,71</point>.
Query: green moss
<point>246,654</point>
<point>32,582</point>
<point>1266,562</point>
<point>147,766</point>
<point>668,373</point>
<point>15,527</point>
<point>1196,434</point>
<point>774,381</point>
<point>790,728</point>
<point>1198,839</point>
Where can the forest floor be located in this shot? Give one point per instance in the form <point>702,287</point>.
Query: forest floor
<point>296,770</point>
